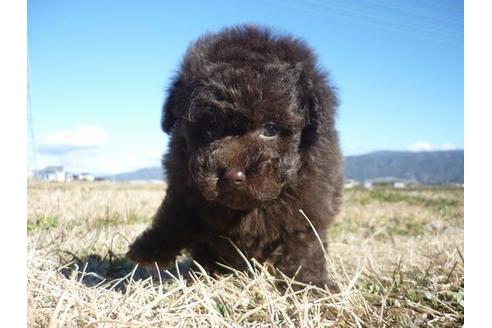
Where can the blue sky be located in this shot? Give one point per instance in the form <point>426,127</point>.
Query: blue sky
<point>98,71</point>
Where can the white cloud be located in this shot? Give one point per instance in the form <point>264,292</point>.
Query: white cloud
<point>87,149</point>
<point>103,160</point>
<point>81,138</point>
<point>421,146</point>
<point>427,146</point>
<point>448,146</point>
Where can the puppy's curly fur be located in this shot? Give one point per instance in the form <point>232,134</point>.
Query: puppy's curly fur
<point>252,142</point>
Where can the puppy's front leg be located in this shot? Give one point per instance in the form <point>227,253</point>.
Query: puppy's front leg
<point>304,258</point>
<point>175,226</point>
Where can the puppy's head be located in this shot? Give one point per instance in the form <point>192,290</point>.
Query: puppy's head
<point>245,115</point>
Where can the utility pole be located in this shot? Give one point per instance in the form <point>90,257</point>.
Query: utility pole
<point>31,147</point>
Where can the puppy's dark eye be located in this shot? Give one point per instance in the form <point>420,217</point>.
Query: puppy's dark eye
<point>206,123</point>
<point>209,127</point>
<point>211,130</point>
<point>269,130</point>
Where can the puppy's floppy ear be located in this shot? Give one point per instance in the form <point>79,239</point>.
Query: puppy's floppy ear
<point>320,102</point>
<point>168,119</point>
<point>310,103</point>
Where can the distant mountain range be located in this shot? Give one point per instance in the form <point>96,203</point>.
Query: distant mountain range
<point>149,173</point>
<point>427,167</point>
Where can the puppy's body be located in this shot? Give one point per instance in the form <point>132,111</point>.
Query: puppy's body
<point>253,141</point>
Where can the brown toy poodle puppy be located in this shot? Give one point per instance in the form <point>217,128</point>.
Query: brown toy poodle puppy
<point>251,120</point>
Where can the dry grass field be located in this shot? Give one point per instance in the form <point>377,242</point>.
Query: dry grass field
<point>397,256</point>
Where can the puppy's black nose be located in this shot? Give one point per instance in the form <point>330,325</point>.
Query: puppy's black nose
<point>235,176</point>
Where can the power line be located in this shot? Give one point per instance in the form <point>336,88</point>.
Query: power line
<point>32,164</point>
<point>402,19</point>
<point>360,16</point>
<point>425,11</point>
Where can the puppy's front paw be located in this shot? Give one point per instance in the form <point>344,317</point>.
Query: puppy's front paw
<point>145,254</point>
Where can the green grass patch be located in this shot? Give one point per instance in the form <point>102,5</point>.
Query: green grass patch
<point>411,288</point>
<point>113,218</point>
<point>110,220</point>
<point>342,227</point>
<point>42,223</point>
<point>406,227</point>
<point>390,196</point>
<point>220,308</point>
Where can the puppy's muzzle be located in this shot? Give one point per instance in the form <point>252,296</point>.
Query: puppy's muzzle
<point>234,177</point>
<point>232,180</point>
